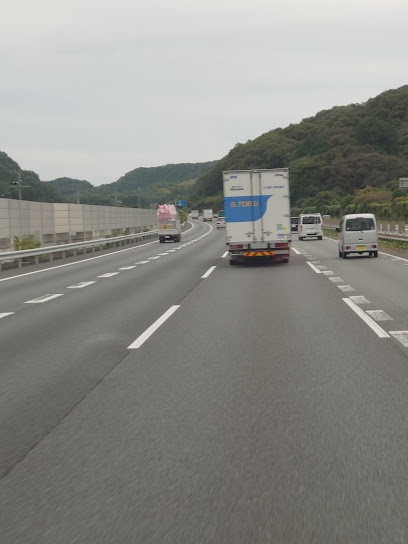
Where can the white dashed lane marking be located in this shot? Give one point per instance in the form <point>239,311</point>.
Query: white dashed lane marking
<point>312,266</point>
<point>108,275</point>
<point>44,298</point>
<point>81,285</point>
<point>378,315</point>
<point>346,288</point>
<point>5,314</point>
<point>127,267</point>
<point>367,319</point>
<point>401,336</point>
<point>360,300</point>
<point>336,279</point>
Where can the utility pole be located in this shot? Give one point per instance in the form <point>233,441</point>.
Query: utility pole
<point>19,186</point>
<point>139,199</point>
<point>78,196</point>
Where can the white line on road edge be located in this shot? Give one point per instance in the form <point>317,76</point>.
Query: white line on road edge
<point>402,336</point>
<point>44,298</point>
<point>77,262</point>
<point>148,332</point>
<point>5,314</point>
<point>295,250</point>
<point>209,272</point>
<point>312,266</point>
<point>80,285</point>
<point>367,320</point>
<point>225,254</point>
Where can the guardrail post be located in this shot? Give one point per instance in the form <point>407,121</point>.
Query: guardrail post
<point>51,257</point>
<point>63,254</point>
<point>36,259</point>
<point>20,263</point>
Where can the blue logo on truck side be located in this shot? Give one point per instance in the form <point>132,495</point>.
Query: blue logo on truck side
<point>242,209</point>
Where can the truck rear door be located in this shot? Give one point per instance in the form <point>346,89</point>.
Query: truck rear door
<point>257,206</point>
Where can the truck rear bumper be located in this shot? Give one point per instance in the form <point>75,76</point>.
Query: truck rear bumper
<point>277,255</point>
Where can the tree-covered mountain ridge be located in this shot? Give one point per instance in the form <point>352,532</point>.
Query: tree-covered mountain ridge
<point>343,160</point>
<point>145,186</point>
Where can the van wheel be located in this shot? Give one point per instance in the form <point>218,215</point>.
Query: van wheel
<point>375,253</point>
<point>300,238</point>
<point>344,255</point>
<point>340,254</point>
<point>320,237</point>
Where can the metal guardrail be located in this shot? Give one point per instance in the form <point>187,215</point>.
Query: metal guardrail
<point>63,248</point>
<point>401,237</point>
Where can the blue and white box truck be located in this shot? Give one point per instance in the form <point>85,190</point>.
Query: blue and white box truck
<point>257,214</point>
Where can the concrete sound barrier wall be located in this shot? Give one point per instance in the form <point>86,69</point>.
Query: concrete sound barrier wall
<point>56,223</point>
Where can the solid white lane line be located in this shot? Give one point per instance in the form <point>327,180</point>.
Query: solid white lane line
<point>5,314</point>
<point>127,267</point>
<point>171,251</point>
<point>209,272</point>
<point>312,266</point>
<point>367,320</point>
<point>80,285</point>
<point>295,250</point>
<point>148,332</point>
<point>225,254</point>
<point>108,275</point>
<point>401,336</point>
<point>162,254</point>
<point>44,298</point>
<point>379,315</point>
<point>360,300</point>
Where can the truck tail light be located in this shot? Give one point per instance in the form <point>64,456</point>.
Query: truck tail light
<point>236,246</point>
<point>374,247</point>
<point>281,244</point>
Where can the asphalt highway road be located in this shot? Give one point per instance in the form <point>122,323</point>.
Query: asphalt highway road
<point>270,405</point>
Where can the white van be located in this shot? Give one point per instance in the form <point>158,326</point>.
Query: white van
<point>310,226</point>
<point>358,234</point>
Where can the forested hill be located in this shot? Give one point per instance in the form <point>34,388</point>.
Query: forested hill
<point>34,188</point>
<point>170,173</point>
<point>331,156</point>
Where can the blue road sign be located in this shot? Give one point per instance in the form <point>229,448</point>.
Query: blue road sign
<point>181,202</point>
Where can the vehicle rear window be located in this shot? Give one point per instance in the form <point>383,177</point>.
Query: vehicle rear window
<point>359,224</point>
<point>310,220</point>
<point>294,220</point>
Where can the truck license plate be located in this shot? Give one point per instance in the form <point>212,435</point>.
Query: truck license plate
<point>360,248</point>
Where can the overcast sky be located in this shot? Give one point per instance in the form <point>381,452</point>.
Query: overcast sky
<point>92,89</point>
